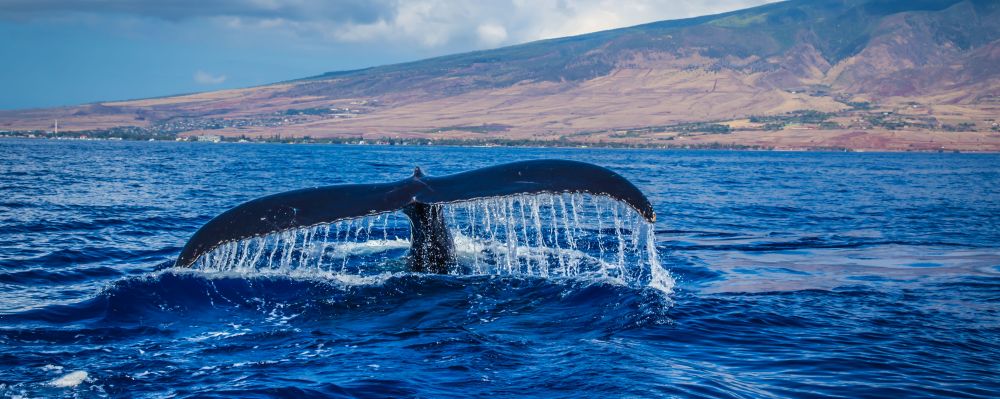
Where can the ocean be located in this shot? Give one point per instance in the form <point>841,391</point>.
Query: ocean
<point>788,274</point>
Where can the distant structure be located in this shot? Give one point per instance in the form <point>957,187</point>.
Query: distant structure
<point>56,130</point>
<point>209,138</point>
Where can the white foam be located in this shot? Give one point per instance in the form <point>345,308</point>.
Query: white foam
<point>50,367</point>
<point>215,335</point>
<point>341,279</point>
<point>69,380</point>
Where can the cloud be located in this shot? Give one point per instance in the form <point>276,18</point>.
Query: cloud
<point>474,25</point>
<point>338,11</point>
<point>445,25</point>
<point>205,78</point>
<point>491,34</point>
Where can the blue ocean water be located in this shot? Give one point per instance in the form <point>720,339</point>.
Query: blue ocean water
<point>797,275</point>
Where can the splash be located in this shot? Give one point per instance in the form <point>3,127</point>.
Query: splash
<point>546,235</point>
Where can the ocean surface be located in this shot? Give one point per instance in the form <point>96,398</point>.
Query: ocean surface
<point>791,274</point>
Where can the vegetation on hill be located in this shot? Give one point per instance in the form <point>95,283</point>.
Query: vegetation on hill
<point>772,34</point>
<point>906,67</point>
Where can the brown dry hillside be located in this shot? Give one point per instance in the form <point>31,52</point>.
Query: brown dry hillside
<point>897,75</point>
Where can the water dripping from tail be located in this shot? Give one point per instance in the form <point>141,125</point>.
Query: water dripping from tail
<point>579,236</point>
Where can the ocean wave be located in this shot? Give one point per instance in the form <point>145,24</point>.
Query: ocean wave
<point>182,293</point>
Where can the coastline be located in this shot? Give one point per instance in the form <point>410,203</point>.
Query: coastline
<point>500,143</point>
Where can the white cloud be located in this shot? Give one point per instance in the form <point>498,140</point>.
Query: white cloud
<point>205,78</point>
<point>491,34</point>
<point>434,25</point>
<point>459,24</point>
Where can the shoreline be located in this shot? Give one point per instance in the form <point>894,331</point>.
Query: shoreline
<point>521,144</point>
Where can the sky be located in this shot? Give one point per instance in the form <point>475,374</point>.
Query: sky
<point>65,52</point>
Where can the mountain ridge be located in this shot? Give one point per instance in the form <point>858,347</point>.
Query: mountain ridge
<point>928,63</point>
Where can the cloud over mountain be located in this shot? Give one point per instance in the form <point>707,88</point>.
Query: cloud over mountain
<point>427,23</point>
<point>205,78</point>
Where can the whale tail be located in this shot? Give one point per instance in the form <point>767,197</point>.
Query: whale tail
<point>419,197</point>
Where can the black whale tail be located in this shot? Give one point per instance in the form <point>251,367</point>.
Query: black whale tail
<point>420,198</point>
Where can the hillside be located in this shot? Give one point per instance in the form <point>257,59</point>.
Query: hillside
<point>896,75</point>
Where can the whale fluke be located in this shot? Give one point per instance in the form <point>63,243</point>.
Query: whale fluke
<point>420,198</point>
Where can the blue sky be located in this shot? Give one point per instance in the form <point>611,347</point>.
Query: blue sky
<point>63,52</point>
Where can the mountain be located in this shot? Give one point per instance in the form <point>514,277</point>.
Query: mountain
<point>900,75</point>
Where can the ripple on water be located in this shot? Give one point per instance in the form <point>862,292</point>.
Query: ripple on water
<point>798,275</point>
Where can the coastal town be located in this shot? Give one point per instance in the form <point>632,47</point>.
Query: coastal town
<point>858,117</point>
